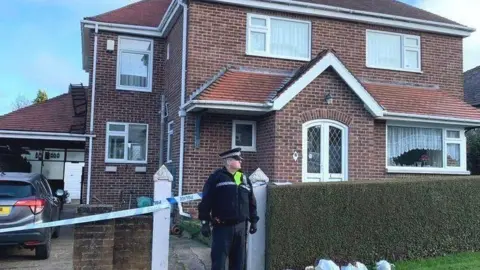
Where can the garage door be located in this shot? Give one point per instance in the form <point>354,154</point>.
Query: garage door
<point>73,178</point>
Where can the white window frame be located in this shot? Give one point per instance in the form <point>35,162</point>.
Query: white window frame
<point>125,149</point>
<point>252,148</point>
<point>266,30</point>
<point>403,49</point>
<point>169,139</point>
<point>168,51</point>
<point>150,65</point>
<point>432,170</point>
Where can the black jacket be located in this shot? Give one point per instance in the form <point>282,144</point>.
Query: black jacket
<point>223,199</point>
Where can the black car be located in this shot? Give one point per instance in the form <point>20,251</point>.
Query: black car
<point>26,198</point>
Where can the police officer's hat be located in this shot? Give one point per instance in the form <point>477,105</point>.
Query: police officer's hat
<point>233,153</point>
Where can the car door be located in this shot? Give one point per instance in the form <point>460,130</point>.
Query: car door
<point>49,213</point>
<point>53,198</point>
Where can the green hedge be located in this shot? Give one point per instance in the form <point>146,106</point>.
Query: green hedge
<point>369,221</point>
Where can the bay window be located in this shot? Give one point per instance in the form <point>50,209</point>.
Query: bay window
<point>126,143</point>
<point>278,37</point>
<point>426,149</point>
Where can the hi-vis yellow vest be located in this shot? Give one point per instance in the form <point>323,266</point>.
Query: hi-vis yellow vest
<point>238,178</point>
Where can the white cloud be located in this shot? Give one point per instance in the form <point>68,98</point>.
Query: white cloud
<point>465,12</point>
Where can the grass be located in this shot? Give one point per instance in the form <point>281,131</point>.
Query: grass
<point>458,261</point>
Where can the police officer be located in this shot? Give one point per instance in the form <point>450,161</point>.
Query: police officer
<point>228,203</point>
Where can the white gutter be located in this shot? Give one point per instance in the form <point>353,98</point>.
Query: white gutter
<point>429,118</point>
<point>182,112</point>
<point>43,135</point>
<point>118,25</point>
<point>92,112</point>
<point>228,105</point>
<point>171,11</point>
<point>352,15</point>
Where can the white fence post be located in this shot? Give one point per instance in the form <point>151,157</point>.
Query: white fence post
<point>161,219</point>
<point>256,242</point>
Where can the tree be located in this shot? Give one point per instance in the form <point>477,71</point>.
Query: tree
<point>41,97</point>
<point>20,102</point>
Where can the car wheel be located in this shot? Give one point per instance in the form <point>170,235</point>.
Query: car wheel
<point>56,233</point>
<point>43,252</point>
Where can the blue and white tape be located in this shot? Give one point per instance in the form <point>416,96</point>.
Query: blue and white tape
<point>157,205</point>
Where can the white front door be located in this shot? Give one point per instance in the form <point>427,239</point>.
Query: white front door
<point>73,179</point>
<point>324,153</point>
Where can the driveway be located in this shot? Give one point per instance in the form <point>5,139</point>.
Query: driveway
<point>60,257</point>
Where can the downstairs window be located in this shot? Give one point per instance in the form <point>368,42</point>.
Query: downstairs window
<point>426,149</point>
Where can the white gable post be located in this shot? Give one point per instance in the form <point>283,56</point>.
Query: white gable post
<point>256,242</point>
<point>161,219</point>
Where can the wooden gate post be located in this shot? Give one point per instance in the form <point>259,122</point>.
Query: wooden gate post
<point>256,242</point>
<point>161,219</point>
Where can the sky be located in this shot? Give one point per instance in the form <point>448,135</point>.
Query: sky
<point>43,48</point>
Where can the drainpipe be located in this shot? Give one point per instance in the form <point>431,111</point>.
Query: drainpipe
<point>182,112</point>
<point>162,124</point>
<point>92,111</point>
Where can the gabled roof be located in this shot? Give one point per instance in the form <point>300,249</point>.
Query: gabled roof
<point>243,85</point>
<point>405,99</point>
<point>143,13</point>
<point>472,86</point>
<point>310,71</point>
<point>54,115</point>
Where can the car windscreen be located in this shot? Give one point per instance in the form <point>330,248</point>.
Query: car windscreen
<point>16,189</point>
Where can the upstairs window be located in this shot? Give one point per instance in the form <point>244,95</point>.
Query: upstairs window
<point>393,51</point>
<point>278,37</point>
<point>134,64</point>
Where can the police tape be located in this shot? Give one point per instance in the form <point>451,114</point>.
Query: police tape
<point>156,206</point>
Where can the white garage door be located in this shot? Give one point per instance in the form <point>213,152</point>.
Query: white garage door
<point>73,178</point>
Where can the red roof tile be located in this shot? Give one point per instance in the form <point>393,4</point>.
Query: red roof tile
<point>423,101</point>
<point>390,7</point>
<point>54,115</point>
<point>143,13</point>
<point>244,86</point>
<point>150,12</point>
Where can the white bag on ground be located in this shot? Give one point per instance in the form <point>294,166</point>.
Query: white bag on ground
<point>384,265</point>
<point>326,265</point>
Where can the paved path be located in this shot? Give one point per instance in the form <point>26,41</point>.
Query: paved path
<point>188,254</point>
<point>60,256</point>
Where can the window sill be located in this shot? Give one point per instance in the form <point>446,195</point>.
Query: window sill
<point>426,170</point>
<point>245,148</point>
<point>125,162</point>
<point>278,57</point>
<point>396,69</point>
<point>126,88</point>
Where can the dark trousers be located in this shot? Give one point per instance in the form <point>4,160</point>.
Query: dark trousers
<point>228,241</point>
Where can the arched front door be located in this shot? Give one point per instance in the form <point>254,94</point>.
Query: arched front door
<point>324,153</point>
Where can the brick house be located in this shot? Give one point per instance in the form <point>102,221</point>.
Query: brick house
<point>310,91</point>
<point>471,80</point>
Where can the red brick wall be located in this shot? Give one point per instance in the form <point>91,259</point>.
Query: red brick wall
<point>173,87</point>
<point>122,106</point>
<point>363,153</point>
<point>216,137</point>
<point>217,37</point>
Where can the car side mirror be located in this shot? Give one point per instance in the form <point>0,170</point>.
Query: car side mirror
<point>59,192</point>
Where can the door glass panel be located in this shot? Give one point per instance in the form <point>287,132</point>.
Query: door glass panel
<point>335,150</point>
<point>314,149</point>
